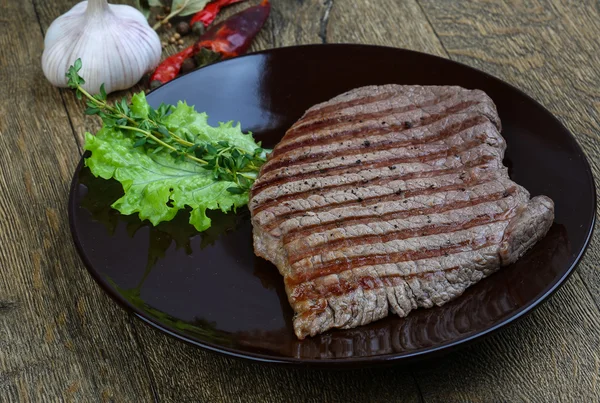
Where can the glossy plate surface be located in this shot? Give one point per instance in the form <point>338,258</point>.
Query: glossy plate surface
<point>210,290</point>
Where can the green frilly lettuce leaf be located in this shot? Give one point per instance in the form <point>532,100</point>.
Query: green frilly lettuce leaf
<point>156,185</point>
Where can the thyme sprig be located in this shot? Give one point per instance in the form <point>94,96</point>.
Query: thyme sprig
<point>226,161</point>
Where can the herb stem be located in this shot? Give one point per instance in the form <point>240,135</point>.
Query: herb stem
<point>162,143</point>
<point>201,161</point>
<point>99,103</point>
<point>87,94</point>
<point>251,177</point>
<point>149,135</point>
<point>170,15</point>
<point>180,140</point>
<point>223,151</point>
<point>175,137</point>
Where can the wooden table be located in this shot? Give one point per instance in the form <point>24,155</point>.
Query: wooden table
<point>62,338</point>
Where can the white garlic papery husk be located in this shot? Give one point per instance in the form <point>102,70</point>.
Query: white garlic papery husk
<point>116,45</point>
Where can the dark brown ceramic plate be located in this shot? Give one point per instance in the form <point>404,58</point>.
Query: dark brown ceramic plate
<point>210,290</point>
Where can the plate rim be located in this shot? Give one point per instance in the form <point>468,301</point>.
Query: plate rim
<point>347,361</point>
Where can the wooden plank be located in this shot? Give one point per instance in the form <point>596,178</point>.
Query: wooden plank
<point>394,23</point>
<point>61,339</point>
<point>186,373</point>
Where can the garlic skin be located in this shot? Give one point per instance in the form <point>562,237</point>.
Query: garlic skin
<point>116,45</point>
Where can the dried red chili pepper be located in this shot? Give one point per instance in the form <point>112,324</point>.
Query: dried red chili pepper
<point>234,36</point>
<point>229,38</point>
<point>169,68</point>
<point>202,19</point>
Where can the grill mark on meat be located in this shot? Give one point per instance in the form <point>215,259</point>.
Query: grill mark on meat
<point>345,286</point>
<point>344,132</point>
<point>320,123</point>
<point>375,181</point>
<point>301,232</point>
<point>363,101</point>
<point>261,186</point>
<point>375,200</point>
<point>277,162</point>
<point>320,307</point>
<point>341,265</point>
<point>365,282</point>
<point>404,234</point>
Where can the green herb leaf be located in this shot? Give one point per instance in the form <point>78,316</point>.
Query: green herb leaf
<point>108,122</point>
<point>73,78</point>
<point>163,110</point>
<point>163,130</point>
<point>211,150</point>
<point>102,92</point>
<point>236,190</point>
<point>139,142</point>
<point>123,106</point>
<point>188,7</point>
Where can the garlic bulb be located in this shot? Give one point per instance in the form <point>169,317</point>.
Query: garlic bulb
<point>114,41</point>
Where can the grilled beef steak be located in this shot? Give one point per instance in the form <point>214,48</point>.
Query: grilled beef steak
<point>389,198</point>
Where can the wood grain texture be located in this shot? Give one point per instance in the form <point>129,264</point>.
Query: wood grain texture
<point>386,23</point>
<point>207,377</point>
<point>61,339</point>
